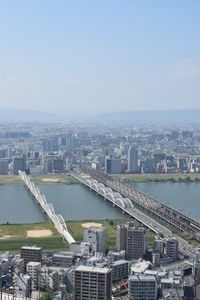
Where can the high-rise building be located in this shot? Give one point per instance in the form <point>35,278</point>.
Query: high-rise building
<point>131,239</point>
<point>33,269</point>
<point>196,268</point>
<point>30,254</point>
<point>19,163</point>
<point>119,270</point>
<point>142,288</point>
<point>50,144</point>
<point>113,165</point>
<point>58,165</point>
<point>92,283</point>
<point>96,236</point>
<point>132,160</point>
<point>172,248</point>
<point>159,244</point>
<point>3,166</point>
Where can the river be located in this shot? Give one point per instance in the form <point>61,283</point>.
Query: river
<point>76,202</point>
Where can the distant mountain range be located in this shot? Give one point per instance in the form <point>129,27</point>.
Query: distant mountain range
<point>7,114</point>
<point>165,115</point>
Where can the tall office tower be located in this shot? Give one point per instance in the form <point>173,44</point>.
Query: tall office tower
<point>96,236</point>
<point>19,163</point>
<point>132,160</point>
<point>142,288</point>
<point>196,268</point>
<point>3,166</point>
<point>131,239</point>
<point>92,283</point>
<point>172,248</point>
<point>113,165</point>
<point>31,254</point>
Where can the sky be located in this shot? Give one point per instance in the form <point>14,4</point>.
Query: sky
<point>98,56</point>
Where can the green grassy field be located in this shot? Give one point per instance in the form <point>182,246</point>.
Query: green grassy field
<point>38,179</point>
<point>174,177</point>
<point>16,235</point>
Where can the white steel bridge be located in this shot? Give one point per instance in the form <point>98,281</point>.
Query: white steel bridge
<point>127,206</point>
<point>57,220</point>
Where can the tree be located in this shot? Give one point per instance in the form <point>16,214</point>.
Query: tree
<point>46,296</point>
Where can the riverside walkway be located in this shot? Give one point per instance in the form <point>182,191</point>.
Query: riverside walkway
<point>57,220</point>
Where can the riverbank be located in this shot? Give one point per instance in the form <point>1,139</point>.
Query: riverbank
<point>13,237</point>
<point>38,179</point>
<point>173,177</point>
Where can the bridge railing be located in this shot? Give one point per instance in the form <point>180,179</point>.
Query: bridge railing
<point>58,221</point>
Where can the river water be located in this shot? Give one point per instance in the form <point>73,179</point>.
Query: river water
<point>76,202</point>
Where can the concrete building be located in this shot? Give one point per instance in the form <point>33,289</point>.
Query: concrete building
<point>31,254</point>
<point>23,284</point>
<point>113,165</point>
<point>132,160</point>
<point>3,166</point>
<point>96,236</point>
<point>119,270</point>
<point>196,273</point>
<point>155,258</point>
<point>63,259</point>
<point>19,163</point>
<point>92,283</point>
<point>131,239</point>
<point>172,248</point>
<point>48,279</point>
<point>142,288</point>
<point>33,269</point>
<point>159,244</point>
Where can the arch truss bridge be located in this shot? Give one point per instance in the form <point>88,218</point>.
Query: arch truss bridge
<point>57,220</point>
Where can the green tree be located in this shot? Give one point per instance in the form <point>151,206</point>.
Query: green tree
<point>46,296</point>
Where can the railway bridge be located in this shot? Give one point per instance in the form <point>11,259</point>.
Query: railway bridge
<point>150,205</point>
<point>128,207</point>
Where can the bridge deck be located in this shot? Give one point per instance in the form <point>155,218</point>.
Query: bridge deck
<point>57,220</point>
<point>117,200</point>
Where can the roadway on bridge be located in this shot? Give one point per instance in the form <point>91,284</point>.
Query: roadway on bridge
<point>184,247</point>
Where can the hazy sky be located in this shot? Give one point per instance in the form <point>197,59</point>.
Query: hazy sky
<point>99,55</point>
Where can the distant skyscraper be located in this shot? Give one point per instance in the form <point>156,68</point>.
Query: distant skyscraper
<point>113,165</point>
<point>132,160</point>
<point>19,163</point>
<point>3,166</point>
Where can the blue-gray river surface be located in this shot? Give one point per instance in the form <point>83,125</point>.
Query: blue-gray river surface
<point>184,197</point>
<point>75,202</point>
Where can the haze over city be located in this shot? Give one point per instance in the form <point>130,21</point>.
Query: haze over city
<point>90,57</point>
<point>99,150</point>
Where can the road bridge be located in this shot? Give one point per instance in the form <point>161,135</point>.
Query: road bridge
<point>57,220</point>
<point>128,207</point>
<point>150,205</point>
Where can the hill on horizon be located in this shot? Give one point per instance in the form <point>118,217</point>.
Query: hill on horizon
<point>165,115</point>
